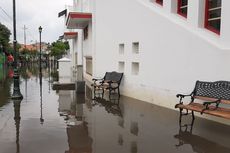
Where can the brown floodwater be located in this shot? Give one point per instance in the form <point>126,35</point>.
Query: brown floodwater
<point>48,121</point>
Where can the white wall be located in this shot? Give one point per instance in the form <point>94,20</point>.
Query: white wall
<point>174,51</point>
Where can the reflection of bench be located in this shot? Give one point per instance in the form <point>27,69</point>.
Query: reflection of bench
<point>216,95</point>
<point>110,106</point>
<point>111,82</point>
<point>199,144</point>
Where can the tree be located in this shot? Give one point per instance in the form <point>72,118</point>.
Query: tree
<point>59,48</point>
<point>4,35</point>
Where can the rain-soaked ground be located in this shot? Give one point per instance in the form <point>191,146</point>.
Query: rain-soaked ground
<point>48,121</point>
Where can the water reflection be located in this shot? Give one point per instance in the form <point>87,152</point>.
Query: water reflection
<point>41,109</point>
<point>111,105</point>
<point>17,119</point>
<point>71,108</point>
<point>76,123</point>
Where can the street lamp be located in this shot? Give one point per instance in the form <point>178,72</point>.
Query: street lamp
<point>40,67</point>
<point>16,91</point>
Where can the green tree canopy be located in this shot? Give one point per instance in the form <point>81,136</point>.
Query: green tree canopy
<point>59,48</point>
<point>4,35</point>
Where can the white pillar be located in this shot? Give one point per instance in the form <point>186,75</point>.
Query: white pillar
<point>80,47</point>
<point>80,83</point>
<point>196,12</point>
<point>170,6</point>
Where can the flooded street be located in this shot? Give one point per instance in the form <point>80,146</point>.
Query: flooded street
<point>48,121</point>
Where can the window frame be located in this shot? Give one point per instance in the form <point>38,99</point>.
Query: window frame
<point>179,5</point>
<point>86,32</point>
<point>206,20</point>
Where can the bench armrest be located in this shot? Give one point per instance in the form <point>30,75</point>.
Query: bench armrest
<point>208,103</point>
<point>96,79</point>
<point>181,96</point>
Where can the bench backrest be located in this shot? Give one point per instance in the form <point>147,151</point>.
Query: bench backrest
<point>113,76</point>
<point>215,90</point>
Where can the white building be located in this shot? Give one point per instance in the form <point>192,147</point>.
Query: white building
<point>162,46</point>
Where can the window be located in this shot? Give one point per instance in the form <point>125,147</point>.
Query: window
<point>159,2</point>
<point>182,7</point>
<point>135,68</point>
<point>121,49</point>
<point>121,66</point>
<point>213,15</point>
<point>135,47</point>
<point>89,65</point>
<point>85,31</point>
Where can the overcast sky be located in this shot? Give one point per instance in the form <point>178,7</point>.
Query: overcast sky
<point>32,14</point>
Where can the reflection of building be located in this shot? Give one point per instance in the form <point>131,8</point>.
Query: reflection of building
<point>71,107</point>
<point>78,139</point>
<point>64,101</point>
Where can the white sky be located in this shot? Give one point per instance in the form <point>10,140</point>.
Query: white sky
<point>32,14</point>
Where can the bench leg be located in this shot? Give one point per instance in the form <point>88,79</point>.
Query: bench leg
<point>193,118</point>
<point>180,115</point>
<point>110,92</point>
<point>103,93</point>
<point>118,90</point>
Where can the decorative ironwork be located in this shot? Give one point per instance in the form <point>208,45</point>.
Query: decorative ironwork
<point>218,89</point>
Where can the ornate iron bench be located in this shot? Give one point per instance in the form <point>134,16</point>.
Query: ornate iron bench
<point>216,96</point>
<point>111,82</point>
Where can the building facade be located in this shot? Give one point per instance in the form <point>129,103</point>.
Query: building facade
<point>162,46</point>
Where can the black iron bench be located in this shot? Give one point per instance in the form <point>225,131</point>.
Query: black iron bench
<point>111,82</point>
<point>216,97</point>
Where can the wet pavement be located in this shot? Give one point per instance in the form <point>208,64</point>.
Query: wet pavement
<point>48,121</point>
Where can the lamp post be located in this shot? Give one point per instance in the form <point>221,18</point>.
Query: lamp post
<point>40,45</point>
<point>16,91</point>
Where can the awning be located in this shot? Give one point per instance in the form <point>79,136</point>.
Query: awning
<point>78,20</point>
<point>70,35</point>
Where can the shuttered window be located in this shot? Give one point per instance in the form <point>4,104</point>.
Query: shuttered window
<point>182,8</point>
<point>213,15</point>
<point>159,2</point>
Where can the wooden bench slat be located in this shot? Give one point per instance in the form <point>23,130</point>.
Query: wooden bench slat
<point>219,112</point>
<point>212,99</point>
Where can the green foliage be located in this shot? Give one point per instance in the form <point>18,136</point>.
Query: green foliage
<point>4,35</point>
<point>28,55</point>
<point>59,48</point>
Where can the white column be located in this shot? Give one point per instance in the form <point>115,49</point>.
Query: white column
<point>80,47</point>
<point>225,23</point>
<point>170,6</point>
<point>196,12</point>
